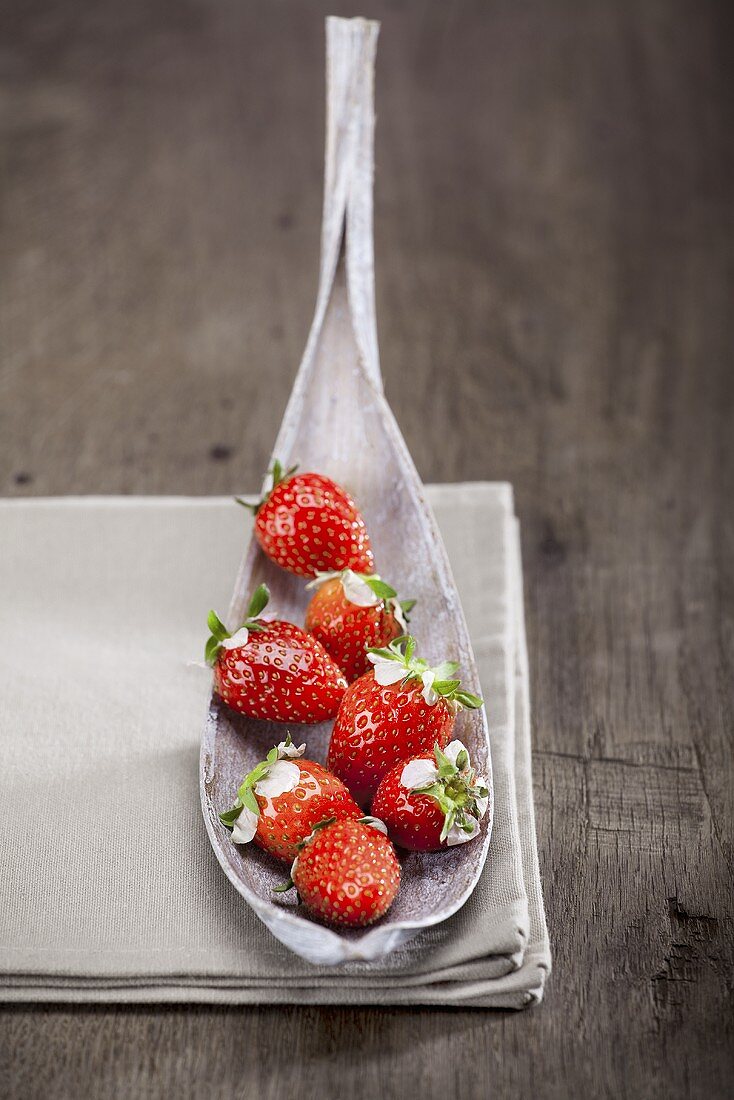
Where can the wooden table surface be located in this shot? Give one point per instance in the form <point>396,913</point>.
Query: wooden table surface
<point>554,262</point>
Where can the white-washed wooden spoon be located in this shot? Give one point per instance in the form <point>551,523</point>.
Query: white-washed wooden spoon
<point>338,423</point>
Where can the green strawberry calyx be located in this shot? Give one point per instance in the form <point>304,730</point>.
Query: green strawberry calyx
<point>367,590</point>
<point>273,776</point>
<point>373,822</point>
<point>398,663</point>
<point>462,795</point>
<point>289,884</point>
<point>278,474</point>
<point>220,638</point>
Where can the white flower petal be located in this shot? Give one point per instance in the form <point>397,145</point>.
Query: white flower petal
<point>281,777</point>
<point>357,590</point>
<point>453,749</point>
<point>430,696</point>
<point>387,672</point>
<point>289,752</point>
<point>322,577</point>
<point>418,773</point>
<point>245,827</point>
<point>399,615</point>
<point>458,836</point>
<point>482,803</point>
<point>238,639</point>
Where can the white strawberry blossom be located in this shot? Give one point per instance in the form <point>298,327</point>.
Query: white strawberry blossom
<point>237,640</point>
<point>454,749</point>
<point>287,750</point>
<point>399,615</point>
<point>421,773</point>
<point>245,827</point>
<point>355,587</point>
<point>278,775</point>
<point>386,671</point>
<point>482,803</point>
<point>431,697</point>
<point>322,576</point>
<point>418,773</point>
<point>390,672</point>
<point>357,590</point>
<point>281,777</point>
<point>459,836</point>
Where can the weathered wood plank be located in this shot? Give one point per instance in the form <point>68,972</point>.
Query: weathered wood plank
<point>554,258</point>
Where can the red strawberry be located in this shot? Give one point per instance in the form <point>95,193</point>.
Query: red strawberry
<point>283,798</point>
<point>398,711</point>
<point>351,612</point>
<point>273,670</point>
<point>347,872</point>
<point>433,801</point>
<point>307,524</point>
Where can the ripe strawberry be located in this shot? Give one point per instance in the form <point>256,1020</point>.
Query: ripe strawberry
<point>399,710</point>
<point>283,798</point>
<point>433,801</point>
<point>350,612</point>
<point>274,669</point>
<point>307,523</point>
<point>347,872</point>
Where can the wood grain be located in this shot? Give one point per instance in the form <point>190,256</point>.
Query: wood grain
<point>554,281</point>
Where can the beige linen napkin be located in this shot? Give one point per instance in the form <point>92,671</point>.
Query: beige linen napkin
<point>110,891</point>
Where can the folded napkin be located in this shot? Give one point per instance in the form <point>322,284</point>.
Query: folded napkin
<point>110,890</point>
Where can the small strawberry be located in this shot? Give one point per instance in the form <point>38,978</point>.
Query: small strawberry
<point>346,872</point>
<point>273,669</point>
<point>432,801</point>
<point>399,710</point>
<point>283,798</point>
<point>307,523</point>
<point>351,612</point>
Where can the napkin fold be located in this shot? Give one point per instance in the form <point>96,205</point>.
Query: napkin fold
<point>111,892</point>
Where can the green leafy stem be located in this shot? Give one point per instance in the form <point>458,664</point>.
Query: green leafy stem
<point>456,791</point>
<point>402,650</point>
<point>278,474</point>
<point>218,632</point>
<point>246,793</point>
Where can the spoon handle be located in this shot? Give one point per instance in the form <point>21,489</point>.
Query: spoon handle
<point>351,45</point>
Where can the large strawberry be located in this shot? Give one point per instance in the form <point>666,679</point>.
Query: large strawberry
<point>352,612</point>
<point>283,798</point>
<point>346,872</point>
<point>308,524</point>
<point>433,801</point>
<point>399,710</point>
<point>273,669</point>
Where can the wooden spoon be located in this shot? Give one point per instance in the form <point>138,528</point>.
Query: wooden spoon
<point>338,423</point>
